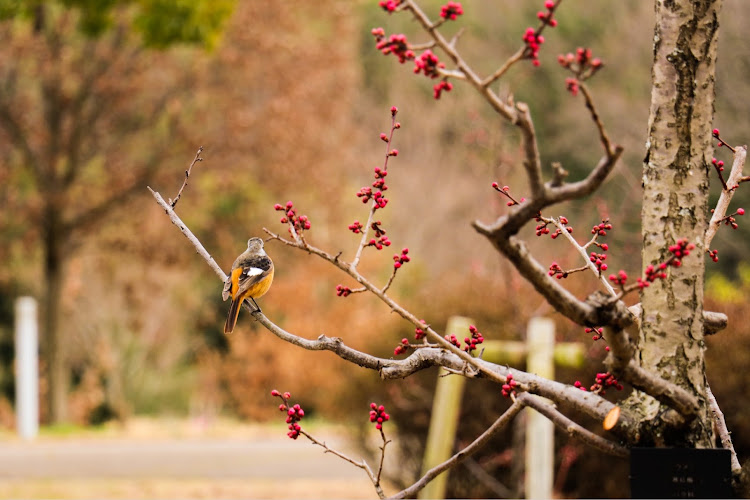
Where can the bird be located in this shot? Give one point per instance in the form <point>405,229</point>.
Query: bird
<point>250,278</point>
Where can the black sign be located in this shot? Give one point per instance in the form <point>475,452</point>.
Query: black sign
<point>680,473</point>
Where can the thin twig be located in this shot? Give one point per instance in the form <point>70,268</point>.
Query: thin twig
<point>597,119</point>
<point>362,465</point>
<point>505,67</point>
<point>374,202</point>
<point>382,455</point>
<point>187,175</point>
<point>456,459</point>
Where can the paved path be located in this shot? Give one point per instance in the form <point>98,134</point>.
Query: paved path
<point>212,458</point>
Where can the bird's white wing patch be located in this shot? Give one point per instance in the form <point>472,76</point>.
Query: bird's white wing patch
<point>253,271</point>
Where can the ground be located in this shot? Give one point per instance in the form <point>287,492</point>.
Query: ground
<point>179,459</point>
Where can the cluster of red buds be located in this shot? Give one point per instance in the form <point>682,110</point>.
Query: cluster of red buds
<point>438,89</point>
<point>713,255</point>
<point>419,333</point>
<point>542,229</point>
<point>679,250</point>
<point>533,37</point>
<point>509,387</point>
<point>533,41</point>
<point>343,291</point>
<point>505,191</point>
<point>355,227</point>
<point>716,135</point>
<point>300,223</point>
<point>453,340</point>
<point>730,220</point>
<point>653,273</point>
<point>601,229</point>
<point>470,343</point>
<point>395,44</point>
<point>598,332</point>
<point>429,64</point>
<point>389,5</point>
<point>294,413</point>
<point>379,243</point>
<point>475,339</point>
<point>367,194</point>
<point>620,278</point>
<point>719,166</point>
<point>451,11</point>
<point>378,415</point>
<point>557,271</point>
<point>601,382</point>
<point>402,347</point>
<point>598,260</point>
<point>582,65</point>
<point>380,174</point>
<point>399,260</point>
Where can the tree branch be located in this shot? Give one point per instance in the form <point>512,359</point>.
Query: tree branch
<point>572,428</point>
<point>585,402</point>
<point>721,426</point>
<point>740,155</point>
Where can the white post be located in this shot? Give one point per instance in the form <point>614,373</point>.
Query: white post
<point>27,368</point>
<point>540,431</point>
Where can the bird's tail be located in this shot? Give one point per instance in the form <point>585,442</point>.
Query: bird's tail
<point>234,311</point>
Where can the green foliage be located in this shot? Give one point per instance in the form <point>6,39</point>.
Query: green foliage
<point>160,23</point>
<point>724,290</point>
<point>13,8</point>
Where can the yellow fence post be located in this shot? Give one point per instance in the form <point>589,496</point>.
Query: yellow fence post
<point>541,354</point>
<point>444,418</point>
<point>540,431</point>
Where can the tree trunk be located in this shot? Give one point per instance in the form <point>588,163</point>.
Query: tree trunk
<point>675,206</point>
<point>53,349</point>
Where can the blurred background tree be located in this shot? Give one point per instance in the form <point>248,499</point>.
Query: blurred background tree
<point>87,121</point>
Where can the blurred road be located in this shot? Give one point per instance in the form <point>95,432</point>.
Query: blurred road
<point>267,458</point>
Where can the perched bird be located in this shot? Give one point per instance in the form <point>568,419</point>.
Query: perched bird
<point>250,278</point>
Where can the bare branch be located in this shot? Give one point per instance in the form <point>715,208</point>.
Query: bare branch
<point>666,392</point>
<point>532,163</point>
<point>505,67</point>
<point>591,183</point>
<point>721,427</point>
<point>456,459</point>
<point>572,428</point>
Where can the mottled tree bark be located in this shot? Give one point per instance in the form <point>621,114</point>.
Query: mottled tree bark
<point>675,206</point>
